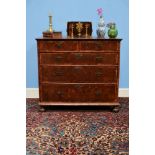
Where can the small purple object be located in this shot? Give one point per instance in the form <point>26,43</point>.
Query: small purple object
<point>100,11</point>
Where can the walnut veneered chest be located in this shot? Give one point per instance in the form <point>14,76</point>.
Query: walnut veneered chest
<point>78,71</point>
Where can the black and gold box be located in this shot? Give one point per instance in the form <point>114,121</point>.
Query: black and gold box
<point>79,29</point>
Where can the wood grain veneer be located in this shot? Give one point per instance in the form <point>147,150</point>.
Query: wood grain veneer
<point>78,71</point>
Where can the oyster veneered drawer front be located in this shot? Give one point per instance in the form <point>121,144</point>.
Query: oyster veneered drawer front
<point>107,46</point>
<point>87,74</point>
<point>79,92</point>
<point>48,46</point>
<point>86,58</point>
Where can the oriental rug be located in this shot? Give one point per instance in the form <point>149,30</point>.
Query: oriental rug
<point>77,130</point>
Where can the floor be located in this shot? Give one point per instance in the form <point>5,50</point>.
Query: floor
<point>77,130</point>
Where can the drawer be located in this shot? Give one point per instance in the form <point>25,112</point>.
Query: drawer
<point>48,46</point>
<point>84,74</point>
<point>100,45</point>
<point>79,92</point>
<point>86,58</point>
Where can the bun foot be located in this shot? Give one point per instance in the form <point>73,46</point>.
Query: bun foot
<point>42,109</point>
<point>115,109</point>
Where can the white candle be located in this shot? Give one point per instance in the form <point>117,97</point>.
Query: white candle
<point>49,14</point>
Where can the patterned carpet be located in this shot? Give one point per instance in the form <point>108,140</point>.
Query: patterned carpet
<point>77,131</point>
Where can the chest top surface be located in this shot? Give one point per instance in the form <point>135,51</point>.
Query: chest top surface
<point>78,39</point>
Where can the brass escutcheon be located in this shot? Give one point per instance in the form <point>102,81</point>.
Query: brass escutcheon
<point>77,68</point>
<point>98,92</point>
<point>78,86</point>
<point>58,73</point>
<point>59,44</point>
<point>99,58</point>
<point>58,58</point>
<point>98,73</point>
<point>59,93</point>
<point>78,55</point>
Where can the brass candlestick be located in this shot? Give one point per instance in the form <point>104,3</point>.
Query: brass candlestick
<point>79,27</point>
<point>86,30</point>
<point>50,24</point>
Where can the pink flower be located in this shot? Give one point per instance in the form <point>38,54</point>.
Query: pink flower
<point>100,11</point>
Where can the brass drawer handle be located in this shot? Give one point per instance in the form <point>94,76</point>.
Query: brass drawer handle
<point>58,73</point>
<point>78,86</point>
<point>98,93</point>
<point>59,44</point>
<point>58,58</point>
<point>46,50</point>
<point>77,68</point>
<point>98,45</point>
<point>78,55</point>
<point>59,93</point>
<point>99,58</point>
<point>99,73</point>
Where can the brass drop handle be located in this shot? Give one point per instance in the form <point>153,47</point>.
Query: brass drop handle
<point>58,73</point>
<point>98,45</point>
<point>98,93</point>
<point>99,58</point>
<point>98,73</point>
<point>59,93</point>
<point>77,68</point>
<point>58,58</point>
<point>59,44</point>
<point>78,86</point>
<point>78,55</point>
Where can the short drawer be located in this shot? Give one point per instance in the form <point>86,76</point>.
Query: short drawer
<point>79,92</point>
<point>100,45</point>
<point>48,46</point>
<point>86,58</point>
<point>84,74</point>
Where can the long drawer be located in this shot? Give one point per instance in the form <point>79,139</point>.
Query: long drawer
<point>79,58</point>
<point>84,74</point>
<point>49,46</point>
<point>79,92</point>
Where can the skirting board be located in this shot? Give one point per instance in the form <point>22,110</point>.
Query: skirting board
<point>34,92</point>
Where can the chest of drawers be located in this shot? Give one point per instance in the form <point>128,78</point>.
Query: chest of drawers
<point>78,71</point>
